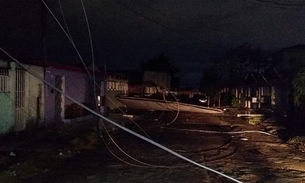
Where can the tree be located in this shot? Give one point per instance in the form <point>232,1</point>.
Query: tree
<point>210,82</point>
<point>162,63</point>
<point>232,70</point>
<point>240,62</point>
<point>298,84</point>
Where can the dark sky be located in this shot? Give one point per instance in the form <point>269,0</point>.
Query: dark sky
<point>192,33</point>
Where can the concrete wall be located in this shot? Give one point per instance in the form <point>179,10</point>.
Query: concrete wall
<point>6,101</point>
<point>32,111</point>
<point>34,95</point>
<point>6,115</point>
<point>76,85</point>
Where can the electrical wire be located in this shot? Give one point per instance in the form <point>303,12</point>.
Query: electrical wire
<point>218,132</point>
<point>64,19</point>
<point>122,127</point>
<point>94,93</point>
<point>169,28</point>
<point>73,44</point>
<point>291,7</point>
<point>184,21</point>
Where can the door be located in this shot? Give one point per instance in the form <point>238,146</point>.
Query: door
<point>59,99</point>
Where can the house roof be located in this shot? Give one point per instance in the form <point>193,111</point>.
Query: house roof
<point>76,68</point>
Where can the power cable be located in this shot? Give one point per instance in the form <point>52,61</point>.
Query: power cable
<point>275,5</point>
<point>94,92</point>
<point>122,127</point>
<point>169,28</point>
<point>71,41</point>
<point>184,21</point>
<point>218,132</point>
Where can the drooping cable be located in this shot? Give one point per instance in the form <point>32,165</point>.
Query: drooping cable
<point>169,28</point>
<point>64,19</point>
<point>120,126</point>
<point>218,132</point>
<point>94,93</point>
<point>72,42</point>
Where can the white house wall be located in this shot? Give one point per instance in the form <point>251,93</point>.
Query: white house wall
<point>35,95</point>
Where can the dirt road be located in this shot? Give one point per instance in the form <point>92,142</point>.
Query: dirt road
<point>225,144</point>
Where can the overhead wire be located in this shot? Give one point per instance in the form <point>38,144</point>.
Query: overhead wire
<point>184,21</point>
<point>276,5</point>
<point>97,109</point>
<point>64,19</point>
<point>218,132</point>
<point>104,127</point>
<point>121,126</point>
<point>169,28</point>
<point>72,42</point>
<point>281,3</point>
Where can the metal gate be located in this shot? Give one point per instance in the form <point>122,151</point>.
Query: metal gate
<point>20,100</point>
<point>4,80</point>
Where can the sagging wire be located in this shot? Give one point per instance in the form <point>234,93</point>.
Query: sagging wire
<point>97,109</point>
<point>112,153</point>
<point>121,126</point>
<point>218,132</point>
<point>178,110</point>
<point>126,114</point>
<point>64,19</point>
<point>143,164</point>
<point>73,44</point>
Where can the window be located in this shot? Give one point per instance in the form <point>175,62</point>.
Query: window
<point>4,80</point>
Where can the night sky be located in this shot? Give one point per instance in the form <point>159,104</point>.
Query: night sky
<point>191,33</point>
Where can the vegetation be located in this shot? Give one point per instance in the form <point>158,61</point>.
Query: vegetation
<point>162,63</point>
<point>299,88</point>
<point>233,69</point>
<point>74,110</point>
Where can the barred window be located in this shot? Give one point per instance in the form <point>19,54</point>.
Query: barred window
<point>4,80</point>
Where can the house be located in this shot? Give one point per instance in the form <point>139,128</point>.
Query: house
<point>271,88</point>
<point>134,78</point>
<point>114,87</point>
<point>252,95</point>
<point>21,96</point>
<point>75,82</point>
<point>155,82</point>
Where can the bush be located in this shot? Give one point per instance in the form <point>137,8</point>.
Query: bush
<point>74,111</point>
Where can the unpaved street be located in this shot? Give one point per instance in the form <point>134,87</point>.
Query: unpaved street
<point>226,144</point>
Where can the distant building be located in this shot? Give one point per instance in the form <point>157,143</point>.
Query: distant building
<point>114,87</point>
<point>155,82</point>
<point>271,88</point>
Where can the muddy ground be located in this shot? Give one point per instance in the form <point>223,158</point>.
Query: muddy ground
<point>224,143</point>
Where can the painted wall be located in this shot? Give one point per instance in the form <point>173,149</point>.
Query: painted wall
<point>76,85</point>
<point>6,102</point>
<point>6,121</point>
<point>34,95</point>
<point>31,112</point>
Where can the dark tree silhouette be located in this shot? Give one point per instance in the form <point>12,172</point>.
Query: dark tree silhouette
<point>232,70</point>
<point>162,63</point>
<point>299,88</point>
<point>240,62</point>
<point>211,82</point>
